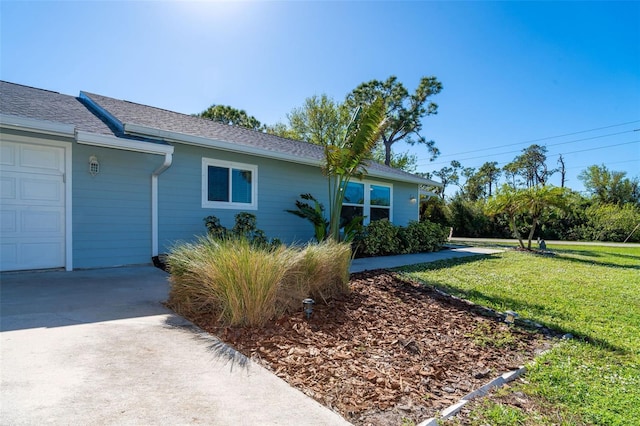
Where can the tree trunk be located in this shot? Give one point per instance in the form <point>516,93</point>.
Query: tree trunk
<point>387,152</point>
<point>514,229</point>
<point>533,230</point>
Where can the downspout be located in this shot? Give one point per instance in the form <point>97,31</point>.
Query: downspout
<point>168,159</point>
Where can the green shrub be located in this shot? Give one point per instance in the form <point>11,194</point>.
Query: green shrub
<point>611,222</point>
<point>245,227</point>
<point>419,237</point>
<point>242,283</point>
<point>381,238</point>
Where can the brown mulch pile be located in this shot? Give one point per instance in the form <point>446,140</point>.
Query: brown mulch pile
<point>391,350</point>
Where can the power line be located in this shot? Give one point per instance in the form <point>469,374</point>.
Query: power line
<point>540,139</point>
<point>512,152</point>
<point>608,164</point>
<point>581,150</point>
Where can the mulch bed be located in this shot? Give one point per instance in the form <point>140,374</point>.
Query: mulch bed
<point>390,351</point>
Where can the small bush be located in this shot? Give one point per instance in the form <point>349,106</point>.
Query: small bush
<point>319,271</point>
<point>245,227</point>
<point>420,237</point>
<point>246,284</point>
<point>381,238</point>
<point>230,278</point>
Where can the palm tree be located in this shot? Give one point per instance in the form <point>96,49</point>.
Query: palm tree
<point>520,204</point>
<point>347,158</point>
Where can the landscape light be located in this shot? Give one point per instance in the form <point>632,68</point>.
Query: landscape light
<point>307,305</point>
<point>510,317</point>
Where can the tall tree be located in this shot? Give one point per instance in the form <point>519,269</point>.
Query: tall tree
<point>562,170</point>
<point>232,116</point>
<point>531,165</point>
<point>611,187</point>
<point>448,175</point>
<point>489,175</point>
<point>404,111</point>
<point>320,120</point>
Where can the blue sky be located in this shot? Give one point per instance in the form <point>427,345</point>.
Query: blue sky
<point>512,72</point>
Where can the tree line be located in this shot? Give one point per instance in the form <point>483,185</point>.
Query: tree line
<point>515,200</point>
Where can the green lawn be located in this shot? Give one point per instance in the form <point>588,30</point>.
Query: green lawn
<point>591,292</point>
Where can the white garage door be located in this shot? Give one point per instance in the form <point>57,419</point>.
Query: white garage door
<point>32,206</point>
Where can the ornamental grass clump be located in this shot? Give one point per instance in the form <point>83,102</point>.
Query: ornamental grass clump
<point>230,278</point>
<point>241,283</point>
<point>319,271</point>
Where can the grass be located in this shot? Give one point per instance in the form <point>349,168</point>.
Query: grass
<point>246,284</point>
<point>591,292</point>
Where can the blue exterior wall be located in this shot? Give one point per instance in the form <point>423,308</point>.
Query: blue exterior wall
<point>279,185</point>
<point>112,210</point>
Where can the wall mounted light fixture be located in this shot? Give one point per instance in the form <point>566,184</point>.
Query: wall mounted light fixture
<point>94,166</point>
<point>413,199</point>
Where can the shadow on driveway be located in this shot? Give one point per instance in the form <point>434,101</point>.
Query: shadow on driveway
<point>61,298</point>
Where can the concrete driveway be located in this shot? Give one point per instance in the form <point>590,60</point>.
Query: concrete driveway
<point>98,348</point>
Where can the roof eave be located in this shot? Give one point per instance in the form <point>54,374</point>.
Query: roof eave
<point>183,138</point>
<point>36,125</point>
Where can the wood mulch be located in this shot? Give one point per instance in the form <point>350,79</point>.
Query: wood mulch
<point>390,351</point>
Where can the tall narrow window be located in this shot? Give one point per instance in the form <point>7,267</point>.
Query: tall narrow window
<point>228,185</point>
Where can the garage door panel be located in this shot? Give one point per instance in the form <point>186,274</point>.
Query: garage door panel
<point>8,223</point>
<point>8,188</point>
<point>19,256</point>
<point>42,158</point>
<point>41,190</point>
<point>8,154</point>
<point>38,221</point>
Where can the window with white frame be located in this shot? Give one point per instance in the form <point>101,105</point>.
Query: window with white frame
<point>229,185</point>
<point>367,199</point>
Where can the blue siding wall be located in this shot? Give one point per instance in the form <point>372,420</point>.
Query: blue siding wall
<point>279,186</point>
<point>404,210</point>
<point>112,210</point>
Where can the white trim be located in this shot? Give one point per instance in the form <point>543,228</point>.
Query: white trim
<point>107,141</point>
<point>206,204</point>
<point>168,159</point>
<point>136,129</point>
<point>36,125</point>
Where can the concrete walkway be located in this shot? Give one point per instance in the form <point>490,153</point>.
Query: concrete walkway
<point>97,348</point>
<point>370,263</point>
<point>534,243</point>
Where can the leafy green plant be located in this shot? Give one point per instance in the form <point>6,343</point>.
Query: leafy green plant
<point>245,228</point>
<point>347,159</point>
<point>314,214</point>
<point>380,238</point>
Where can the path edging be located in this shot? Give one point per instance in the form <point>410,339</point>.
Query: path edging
<point>481,391</point>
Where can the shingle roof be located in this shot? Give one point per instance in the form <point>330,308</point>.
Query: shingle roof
<point>157,118</point>
<point>29,102</point>
<point>112,114</point>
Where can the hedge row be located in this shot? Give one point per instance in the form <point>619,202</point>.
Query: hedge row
<point>382,238</point>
